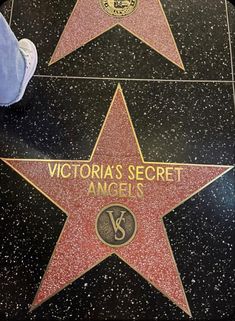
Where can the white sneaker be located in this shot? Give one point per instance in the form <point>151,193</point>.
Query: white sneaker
<point>29,52</point>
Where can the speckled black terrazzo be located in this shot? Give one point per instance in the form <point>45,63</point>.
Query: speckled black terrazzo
<point>5,9</point>
<point>60,118</point>
<point>199,27</point>
<point>231,14</point>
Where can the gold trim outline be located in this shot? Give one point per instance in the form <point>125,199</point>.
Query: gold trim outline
<point>120,24</point>
<point>5,160</point>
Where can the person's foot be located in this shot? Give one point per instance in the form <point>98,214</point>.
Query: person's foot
<point>30,55</point>
<point>29,52</point>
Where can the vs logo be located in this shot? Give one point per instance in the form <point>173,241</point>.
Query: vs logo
<point>116,225</point>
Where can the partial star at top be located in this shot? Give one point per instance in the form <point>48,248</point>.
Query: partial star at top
<point>145,19</point>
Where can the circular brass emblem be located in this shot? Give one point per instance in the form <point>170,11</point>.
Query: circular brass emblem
<point>119,8</point>
<point>116,225</point>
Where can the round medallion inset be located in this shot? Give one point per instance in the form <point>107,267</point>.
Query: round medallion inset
<point>119,8</point>
<point>116,225</point>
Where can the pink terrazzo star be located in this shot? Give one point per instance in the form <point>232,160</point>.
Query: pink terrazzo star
<point>79,248</point>
<point>148,23</point>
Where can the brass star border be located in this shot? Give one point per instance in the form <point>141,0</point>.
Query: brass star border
<point>73,255</point>
<point>148,23</point>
